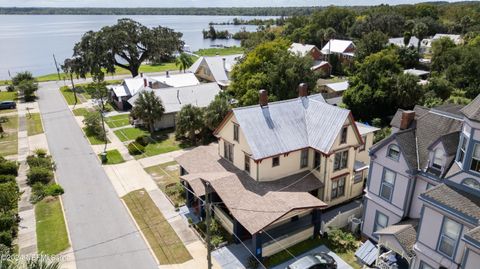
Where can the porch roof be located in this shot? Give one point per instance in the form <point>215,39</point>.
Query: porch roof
<point>254,204</point>
<point>405,235</point>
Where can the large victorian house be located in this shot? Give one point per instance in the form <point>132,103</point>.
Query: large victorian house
<point>276,167</point>
<point>422,204</point>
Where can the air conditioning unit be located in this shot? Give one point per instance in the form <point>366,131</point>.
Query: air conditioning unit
<point>355,225</point>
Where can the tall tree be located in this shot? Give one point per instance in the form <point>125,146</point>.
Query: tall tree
<point>372,42</point>
<point>148,108</point>
<point>127,45</point>
<point>216,112</point>
<point>183,61</point>
<point>420,30</point>
<point>189,123</point>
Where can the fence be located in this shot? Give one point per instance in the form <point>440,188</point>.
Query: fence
<point>342,219</point>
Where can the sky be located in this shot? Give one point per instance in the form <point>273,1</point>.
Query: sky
<point>196,3</point>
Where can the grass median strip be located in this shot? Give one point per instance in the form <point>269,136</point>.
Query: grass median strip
<point>52,237</point>
<point>93,139</point>
<point>34,124</point>
<point>9,139</point>
<point>114,157</point>
<point>165,243</point>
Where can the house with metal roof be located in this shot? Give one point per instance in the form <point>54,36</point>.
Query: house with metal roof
<point>333,90</point>
<point>276,167</point>
<point>319,64</point>
<point>173,99</point>
<point>120,94</point>
<point>215,68</point>
<point>343,48</point>
<point>427,173</point>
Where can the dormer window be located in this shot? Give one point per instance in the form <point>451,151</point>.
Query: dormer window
<point>235,132</point>
<point>437,161</point>
<point>475,166</point>
<point>343,137</point>
<point>463,148</point>
<point>393,152</point>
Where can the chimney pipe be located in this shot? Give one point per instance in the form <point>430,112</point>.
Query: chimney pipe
<point>263,97</point>
<point>145,82</point>
<point>224,63</point>
<point>302,90</point>
<point>407,118</point>
<point>167,74</point>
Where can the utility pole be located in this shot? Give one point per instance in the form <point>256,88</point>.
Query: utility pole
<point>208,220</point>
<point>56,65</point>
<point>73,89</point>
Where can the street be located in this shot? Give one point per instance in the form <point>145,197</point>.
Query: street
<point>102,233</point>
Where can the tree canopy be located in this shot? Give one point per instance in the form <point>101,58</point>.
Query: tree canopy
<point>127,45</point>
<point>149,108</point>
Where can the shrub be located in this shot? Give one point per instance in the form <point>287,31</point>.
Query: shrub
<point>9,195</point>
<point>4,250</point>
<point>6,238</point>
<point>38,192</point>
<point>93,125</point>
<point>8,220</point>
<point>8,168</point>
<point>42,153</point>
<point>216,240</point>
<point>135,148</point>
<point>143,140</point>
<point>252,263</point>
<point>10,88</point>
<point>54,190</point>
<point>39,174</point>
<point>7,178</point>
<point>342,241</point>
<point>39,162</point>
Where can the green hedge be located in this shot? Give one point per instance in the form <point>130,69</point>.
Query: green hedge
<point>39,174</point>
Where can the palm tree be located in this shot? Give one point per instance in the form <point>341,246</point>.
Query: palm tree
<point>183,61</point>
<point>329,34</point>
<point>320,35</point>
<point>148,108</point>
<point>420,30</point>
<point>189,123</point>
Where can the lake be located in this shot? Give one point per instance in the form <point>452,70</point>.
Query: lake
<point>28,42</point>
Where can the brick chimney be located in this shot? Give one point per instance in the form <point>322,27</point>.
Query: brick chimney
<point>145,82</point>
<point>407,118</point>
<point>263,97</point>
<point>302,90</point>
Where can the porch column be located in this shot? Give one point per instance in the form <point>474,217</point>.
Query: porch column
<point>188,195</point>
<point>316,221</point>
<point>237,231</point>
<point>257,245</point>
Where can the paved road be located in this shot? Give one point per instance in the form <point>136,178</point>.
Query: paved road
<point>95,215</point>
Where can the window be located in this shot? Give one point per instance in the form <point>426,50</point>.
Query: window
<point>341,160</point>
<point>247,163</point>
<point>317,158</point>
<point>437,161</point>
<point>393,152</point>
<point>423,265</point>
<point>343,137</point>
<point>471,183</point>
<point>475,166</point>
<point>463,148</point>
<point>358,176</point>
<point>338,187</point>
<point>449,237</point>
<point>388,181</point>
<point>362,146</point>
<point>235,132</point>
<point>228,151</point>
<point>275,161</point>
<point>304,158</point>
<point>381,221</point>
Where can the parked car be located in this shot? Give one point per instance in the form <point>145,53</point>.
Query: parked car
<point>8,105</point>
<point>315,261</point>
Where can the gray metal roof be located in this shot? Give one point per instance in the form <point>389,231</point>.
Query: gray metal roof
<point>290,125</point>
<point>398,41</point>
<point>217,66</point>
<point>338,86</point>
<point>174,99</point>
<point>472,110</point>
<point>416,72</point>
<point>367,253</point>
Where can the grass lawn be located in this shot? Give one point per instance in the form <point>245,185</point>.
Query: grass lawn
<point>166,244</point>
<point>69,96</point>
<point>164,174</point>
<point>127,134</point>
<point>220,51</point>
<point>9,141</point>
<point>114,157</point>
<point>52,237</point>
<point>119,71</point>
<point>162,142</point>
<point>304,246</point>
<point>118,121</point>
<point>94,140</point>
<point>8,96</point>
<point>34,124</point>
<point>81,111</point>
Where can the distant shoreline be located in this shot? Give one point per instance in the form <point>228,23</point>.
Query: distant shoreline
<point>213,11</point>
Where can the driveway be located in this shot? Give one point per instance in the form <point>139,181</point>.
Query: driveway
<point>103,234</point>
<point>341,264</point>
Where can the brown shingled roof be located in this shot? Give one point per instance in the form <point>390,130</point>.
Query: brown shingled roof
<point>254,204</point>
<point>405,235</point>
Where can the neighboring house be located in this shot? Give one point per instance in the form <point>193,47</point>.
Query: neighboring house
<point>173,99</point>
<point>120,94</point>
<point>215,68</point>
<point>427,42</point>
<point>319,65</point>
<point>333,90</point>
<point>422,204</point>
<point>344,49</point>
<point>276,167</point>
<point>399,42</point>
<point>421,74</point>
